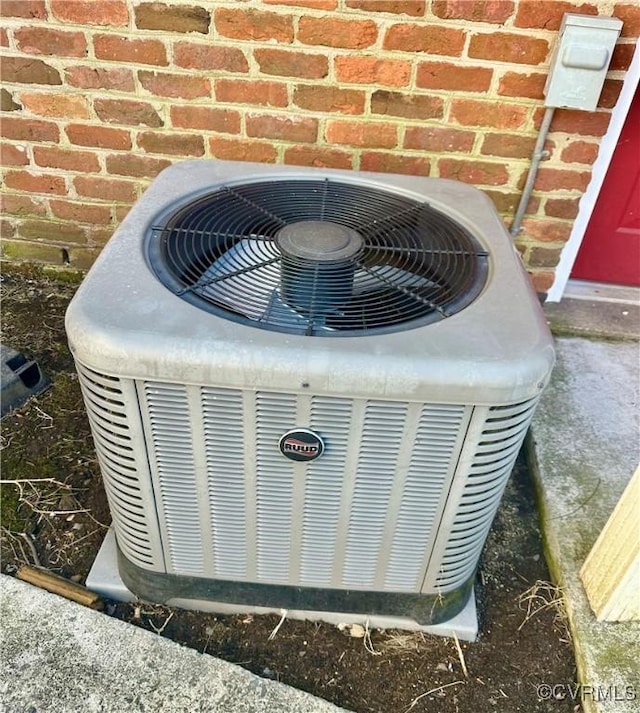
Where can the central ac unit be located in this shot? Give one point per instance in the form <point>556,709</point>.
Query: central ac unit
<point>307,388</point>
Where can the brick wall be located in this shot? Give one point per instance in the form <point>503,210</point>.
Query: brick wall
<point>100,95</point>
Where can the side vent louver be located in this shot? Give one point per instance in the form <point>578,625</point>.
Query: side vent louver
<point>224,438</point>
<point>173,458</point>
<point>429,471</point>
<point>111,426</point>
<point>275,414</point>
<point>495,455</point>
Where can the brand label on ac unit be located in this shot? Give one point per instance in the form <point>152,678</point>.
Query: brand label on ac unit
<point>301,444</point>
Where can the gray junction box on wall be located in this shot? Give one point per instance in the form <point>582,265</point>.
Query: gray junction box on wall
<point>580,61</point>
<point>307,387</point>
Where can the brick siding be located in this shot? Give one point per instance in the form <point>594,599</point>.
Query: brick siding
<point>99,96</point>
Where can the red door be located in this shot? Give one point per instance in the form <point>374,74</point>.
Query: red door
<point>610,250</point>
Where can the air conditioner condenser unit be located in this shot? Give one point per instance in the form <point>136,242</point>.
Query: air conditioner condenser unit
<point>307,388</point>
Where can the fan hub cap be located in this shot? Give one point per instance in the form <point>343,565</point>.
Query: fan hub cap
<point>319,241</point>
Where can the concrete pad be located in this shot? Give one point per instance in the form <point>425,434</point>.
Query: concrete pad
<point>105,580</point>
<point>591,309</point>
<point>585,449</point>
<point>60,657</point>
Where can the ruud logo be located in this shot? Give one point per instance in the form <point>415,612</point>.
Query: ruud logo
<point>301,444</point>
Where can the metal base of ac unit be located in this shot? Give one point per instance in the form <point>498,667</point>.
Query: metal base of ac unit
<point>105,578</point>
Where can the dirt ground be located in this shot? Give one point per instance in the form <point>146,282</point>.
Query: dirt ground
<point>54,514</point>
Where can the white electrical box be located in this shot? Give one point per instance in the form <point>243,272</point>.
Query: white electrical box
<point>580,61</point>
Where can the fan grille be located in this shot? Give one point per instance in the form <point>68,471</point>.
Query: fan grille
<point>405,263</point>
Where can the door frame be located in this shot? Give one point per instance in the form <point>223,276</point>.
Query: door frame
<point>598,174</point>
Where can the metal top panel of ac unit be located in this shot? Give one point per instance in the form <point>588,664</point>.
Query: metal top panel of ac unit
<point>125,321</point>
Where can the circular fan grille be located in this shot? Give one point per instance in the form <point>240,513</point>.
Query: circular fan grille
<point>318,257</point>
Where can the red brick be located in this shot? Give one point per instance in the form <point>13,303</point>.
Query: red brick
<point>622,56</point>
<point>543,257</point>
<point>98,234</point>
<point>508,47</point>
<point>42,40</point>
<point>372,70</point>
<point>610,93</point>
<point>177,86</point>
<point>11,155</point>
<point>4,37</point>
<point>409,106</point>
<point>367,135</point>
<point>542,281</point>
<point>250,24</point>
<point>629,13</point>
<point>81,212</point>
<point>285,128</point>
<point>585,123</point>
<point>69,106</point>
<point>7,228</point>
<point>291,64</point>
<point>206,119</point>
<point>442,75</point>
<point>514,84</point>
<point>25,70</point>
<point>7,102</point>
<point>474,172</point>
<point>171,144</point>
<point>128,164</point>
<point>90,12</point>
<point>18,129</point>
<point>329,99</point>
<point>580,152</point>
<point>438,139</point>
<point>103,137</point>
<point>548,15</point>
<point>83,258</point>
<point>313,4</point>
<point>397,7</point>
<point>204,56</point>
<point>318,156</point>
<point>562,207</point>
<point>127,49</point>
<point>395,163</point>
<point>557,179</point>
<point>479,113</point>
<point>495,11</point>
<point>332,32</point>
<point>507,203</point>
<point>123,111</point>
<point>48,230</point>
<point>242,150</point>
<point>508,145</point>
<point>66,160</point>
<point>106,189</point>
<point>425,38</point>
<point>84,77</point>
<point>19,204</point>
<point>35,182</point>
<point>121,212</point>
<point>251,92</point>
<point>546,231</point>
<point>178,18</point>
<point>29,9</point>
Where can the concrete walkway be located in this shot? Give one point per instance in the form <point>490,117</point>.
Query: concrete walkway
<point>585,447</point>
<point>58,657</point>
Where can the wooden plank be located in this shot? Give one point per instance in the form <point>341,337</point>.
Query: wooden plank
<point>611,572</point>
<point>58,585</point>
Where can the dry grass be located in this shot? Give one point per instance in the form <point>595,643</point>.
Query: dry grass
<point>542,596</point>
